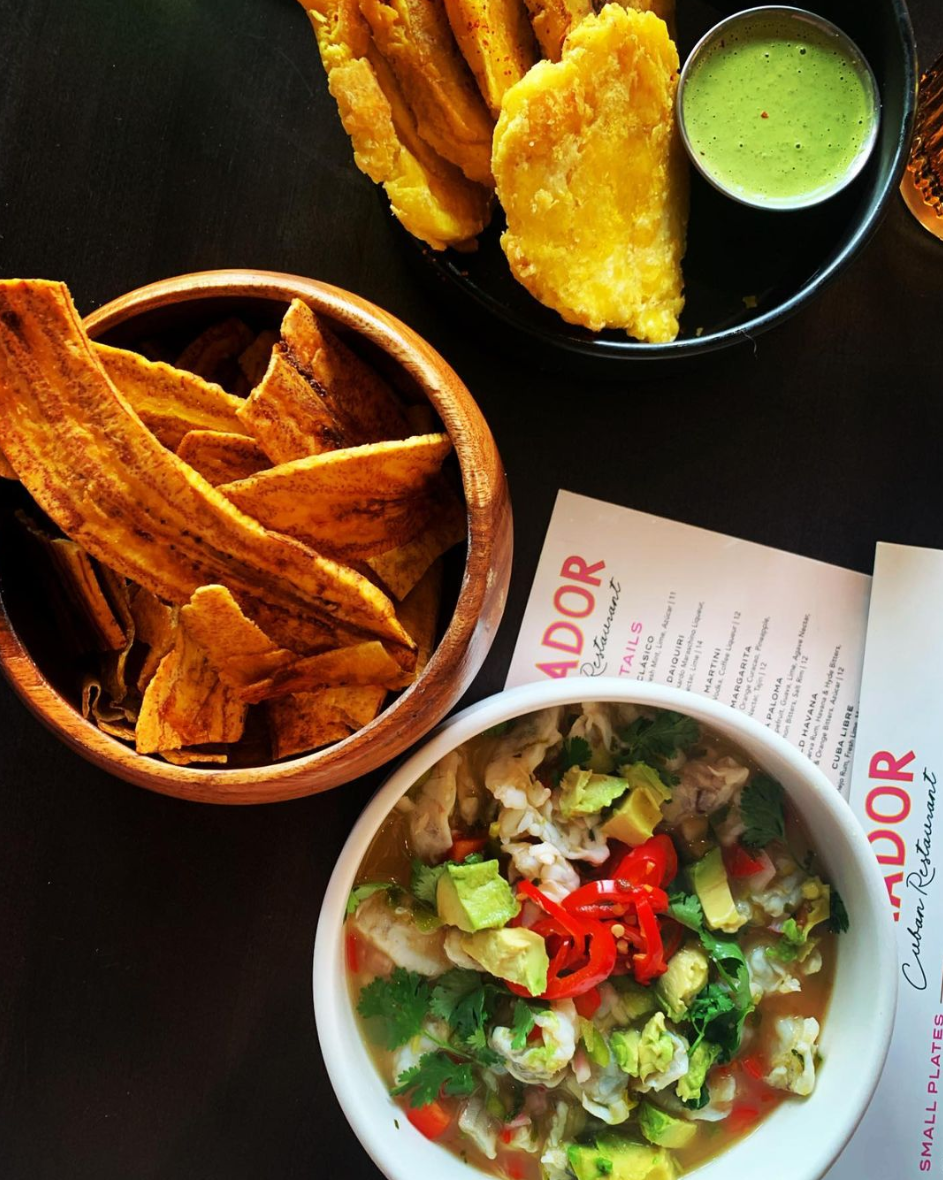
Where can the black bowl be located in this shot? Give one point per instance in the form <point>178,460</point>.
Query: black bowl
<point>745,269</point>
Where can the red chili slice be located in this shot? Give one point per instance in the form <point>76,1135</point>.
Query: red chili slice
<point>653,863</point>
<point>587,961</point>
<point>650,963</point>
<point>739,863</point>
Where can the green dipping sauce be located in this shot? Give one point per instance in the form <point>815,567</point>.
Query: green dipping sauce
<point>777,111</point>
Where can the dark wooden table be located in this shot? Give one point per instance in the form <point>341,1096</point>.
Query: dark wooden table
<point>155,991</point>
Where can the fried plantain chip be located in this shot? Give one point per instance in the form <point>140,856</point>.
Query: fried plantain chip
<point>553,20</point>
<point>6,471</point>
<point>415,38</point>
<point>419,613</point>
<point>593,179</point>
<point>365,407</point>
<point>215,353</point>
<point>169,401</point>
<point>150,517</point>
<point>497,41</point>
<point>239,651</point>
<point>220,457</point>
<point>188,757</point>
<point>115,718</point>
<point>155,626</point>
<point>287,414</point>
<point>254,360</point>
<point>400,569</point>
<point>300,722</point>
<point>349,503</point>
<point>77,578</point>
<point>186,703</point>
<point>430,197</point>
<point>114,663</point>
<point>362,664</point>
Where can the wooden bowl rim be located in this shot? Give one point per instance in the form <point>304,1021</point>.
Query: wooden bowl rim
<point>484,486</point>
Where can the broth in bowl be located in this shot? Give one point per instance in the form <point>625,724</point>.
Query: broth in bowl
<point>593,941</point>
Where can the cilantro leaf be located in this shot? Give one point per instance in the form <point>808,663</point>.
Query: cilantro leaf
<point>761,806</point>
<point>661,736</point>
<point>575,752</point>
<point>522,1022</point>
<point>732,966</point>
<point>424,880</point>
<point>435,1073</point>
<point>717,1018</point>
<point>465,1002</point>
<point>361,892</point>
<point>838,918</point>
<point>399,1004</point>
<point>686,909</point>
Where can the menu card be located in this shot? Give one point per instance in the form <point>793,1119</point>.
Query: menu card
<point>894,795</point>
<point>779,637</point>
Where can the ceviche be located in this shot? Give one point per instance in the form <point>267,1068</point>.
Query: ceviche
<point>593,942</point>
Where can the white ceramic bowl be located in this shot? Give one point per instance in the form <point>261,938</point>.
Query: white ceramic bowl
<point>857,1028</point>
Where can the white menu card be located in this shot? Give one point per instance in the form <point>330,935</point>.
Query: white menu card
<point>780,637</point>
<point>894,795</point>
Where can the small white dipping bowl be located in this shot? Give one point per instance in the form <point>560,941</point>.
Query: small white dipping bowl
<point>856,1031</point>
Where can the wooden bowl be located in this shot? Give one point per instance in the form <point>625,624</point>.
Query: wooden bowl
<point>50,684</point>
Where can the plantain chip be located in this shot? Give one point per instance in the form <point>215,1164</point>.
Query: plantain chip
<point>239,651</point>
<point>664,9</point>
<point>186,703</point>
<point>348,503</point>
<point>496,40</point>
<point>215,353</point>
<point>151,518</point>
<point>400,569</point>
<point>78,579</point>
<point>287,414</point>
<point>220,457</point>
<point>254,360</point>
<point>300,722</point>
<point>363,664</point>
<point>114,663</point>
<point>169,401</point>
<point>155,626</point>
<point>188,757</point>
<point>365,407</point>
<point>6,470</point>
<point>415,38</point>
<point>419,613</point>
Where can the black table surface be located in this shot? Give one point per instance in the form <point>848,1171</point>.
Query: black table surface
<point>155,956</point>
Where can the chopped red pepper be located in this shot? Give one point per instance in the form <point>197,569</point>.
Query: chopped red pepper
<point>653,863</point>
<point>515,1167</point>
<point>586,953</point>
<point>588,1003</point>
<point>353,954</point>
<point>612,899</point>
<point>739,863</point>
<point>754,1066</point>
<point>650,962</point>
<point>741,1118</point>
<point>464,846</point>
<point>431,1120</point>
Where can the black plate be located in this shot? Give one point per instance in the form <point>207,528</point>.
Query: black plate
<point>735,254</point>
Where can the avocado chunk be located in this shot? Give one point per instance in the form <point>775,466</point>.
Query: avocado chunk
<point>513,954</point>
<point>584,793</point>
<point>624,1045</point>
<point>700,1059</point>
<point>686,975</point>
<point>620,1159</point>
<point>709,880</point>
<point>655,1047</point>
<point>594,1043</point>
<point>475,897</point>
<point>660,1128</point>
<point>639,811</point>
